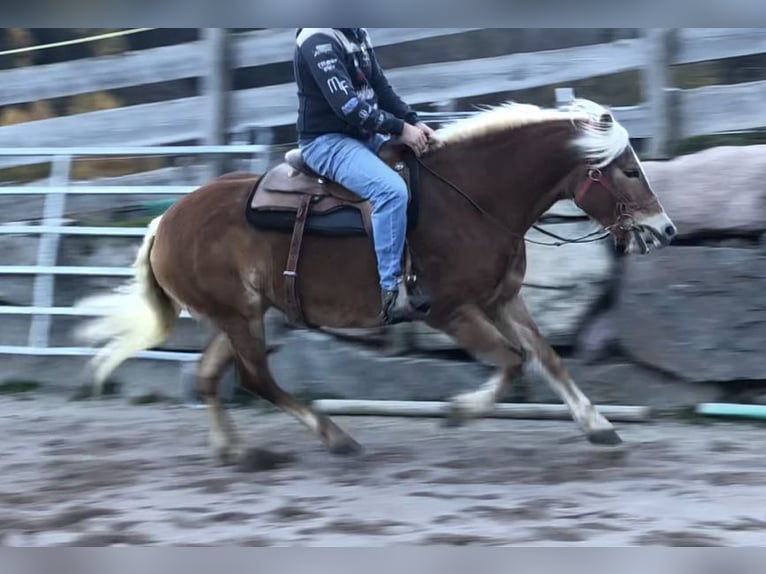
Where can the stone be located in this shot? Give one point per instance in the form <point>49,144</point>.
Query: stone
<point>317,365</point>
<point>620,382</point>
<point>327,369</point>
<point>13,209</point>
<point>563,283</point>
<point>17,250</point>
<point>696,312</point>
<point>15,330</point>
<point>717,190</point>
<point>64,375</point>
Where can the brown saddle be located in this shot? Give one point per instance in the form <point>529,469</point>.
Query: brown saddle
<point>286,186</point>
<point>291,196</point>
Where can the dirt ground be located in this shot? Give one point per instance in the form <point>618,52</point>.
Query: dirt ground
<point>108,473</point>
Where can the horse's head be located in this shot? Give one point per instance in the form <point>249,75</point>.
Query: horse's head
<point>612,188</point>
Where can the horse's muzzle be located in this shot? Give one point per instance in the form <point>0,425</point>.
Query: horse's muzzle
<point>655,231</point>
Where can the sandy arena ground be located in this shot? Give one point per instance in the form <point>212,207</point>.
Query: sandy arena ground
<point>105,472</point>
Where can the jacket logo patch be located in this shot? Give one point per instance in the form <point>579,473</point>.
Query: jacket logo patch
<point>337,84</point>
<point>320,49</point>
<point>327,65</point>
<point>349,106</point>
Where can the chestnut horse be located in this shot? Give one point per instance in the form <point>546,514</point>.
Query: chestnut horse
<point>484,183</point>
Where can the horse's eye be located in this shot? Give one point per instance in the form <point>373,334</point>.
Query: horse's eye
<point>634,173</point>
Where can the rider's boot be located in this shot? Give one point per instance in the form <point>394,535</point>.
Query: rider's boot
<point>398,305</point>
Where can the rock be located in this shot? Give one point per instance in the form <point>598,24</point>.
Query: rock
<point>562,283</point>
<point>17,289</point>
<point>620,382</point>
<point>697,312</point>
<point>716,190</point>
<point>317,365</point>
<point>598,339</point>
<point>15,330</point>
<point>337,370</point>
<point>21,207</point>
<point>17,250</point>
<point>95,251</point>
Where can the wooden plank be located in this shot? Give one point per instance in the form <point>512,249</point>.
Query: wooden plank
<point>146,124</point>
<point>177,120</point>
<point>634,119</point>
<point>276,45</point>
<point>725,108</point>
<point>511,72</point>
<point>101,73</point>
<point>277,105</point>
<point>268,106</point>
<point>167,63</point>
<point>700,44</point>
<point>181,119</point>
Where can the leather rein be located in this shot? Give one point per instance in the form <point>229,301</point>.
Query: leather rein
<point>623,219</point>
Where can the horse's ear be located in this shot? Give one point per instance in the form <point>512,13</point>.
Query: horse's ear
<point>606,118</point>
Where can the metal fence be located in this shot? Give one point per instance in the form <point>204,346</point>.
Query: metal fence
<point>53,227</point>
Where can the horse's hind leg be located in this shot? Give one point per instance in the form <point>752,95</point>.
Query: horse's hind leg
<point>216,357</point>
<point>248,340</point>
<point>544,363</point>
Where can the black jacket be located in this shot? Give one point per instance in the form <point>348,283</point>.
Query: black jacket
<point>341,87</point>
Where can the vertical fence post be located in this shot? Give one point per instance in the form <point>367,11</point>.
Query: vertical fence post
<point>658,91</point>
<point>215,91</point>
<point>564,96</point>
<point>261,161</point>
<point>47,251</point>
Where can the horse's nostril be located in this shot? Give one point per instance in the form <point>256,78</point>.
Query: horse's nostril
<point>670,230</point>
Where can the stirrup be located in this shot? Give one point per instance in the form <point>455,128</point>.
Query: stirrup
<point>402,305</point>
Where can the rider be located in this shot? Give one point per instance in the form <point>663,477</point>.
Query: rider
<point>347,110</point>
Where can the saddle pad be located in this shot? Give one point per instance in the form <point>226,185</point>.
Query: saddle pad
<point>339,220</point>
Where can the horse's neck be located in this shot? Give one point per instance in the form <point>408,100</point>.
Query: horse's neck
<point>517,176</point>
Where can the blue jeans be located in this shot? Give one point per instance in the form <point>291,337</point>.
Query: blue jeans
<point>355,165</point>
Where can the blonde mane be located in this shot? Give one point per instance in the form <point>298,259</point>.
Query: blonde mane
<point>598,141</point>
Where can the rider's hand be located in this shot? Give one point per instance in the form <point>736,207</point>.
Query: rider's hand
<point>430,134</point>
<point>415,138</point>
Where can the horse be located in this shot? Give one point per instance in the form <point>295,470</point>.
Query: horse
<point>484,182</point>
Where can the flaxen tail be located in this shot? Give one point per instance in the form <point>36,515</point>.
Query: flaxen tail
<point>134,317</point>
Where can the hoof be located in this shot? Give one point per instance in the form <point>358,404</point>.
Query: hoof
<point>608,437</point>
<point>345,447</point>
<point>454,417</point>
<point>453,421</point>
<point>226,456</point>
<point>258,459</point>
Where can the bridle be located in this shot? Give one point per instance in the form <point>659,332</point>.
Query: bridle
<point>623,219</point>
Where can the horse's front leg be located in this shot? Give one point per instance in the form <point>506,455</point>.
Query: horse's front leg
<point>543,363</point>
<point>471,327</point>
